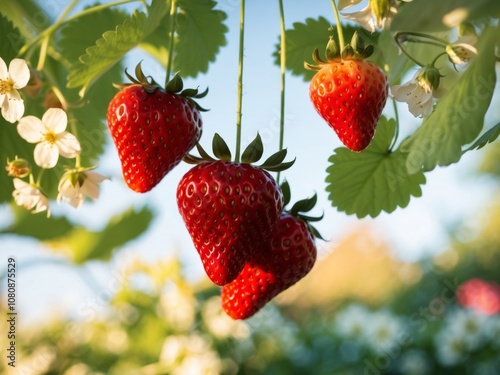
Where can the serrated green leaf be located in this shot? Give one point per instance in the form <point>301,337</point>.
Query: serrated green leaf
<point>489,136</point>
<point>220,148</point>
<point>253,152</point>
<point>303,38</point>
<point>37,226</point>
<point>85,245</point>
<point>76,36</point>
<point>459,116</point>
<point>113,45</point>
<point>11,40</point>
<point>201,33</point>
<point>431,15</point>
<point>372,181</point>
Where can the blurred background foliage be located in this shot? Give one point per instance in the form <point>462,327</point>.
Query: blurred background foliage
<point>360,312</point>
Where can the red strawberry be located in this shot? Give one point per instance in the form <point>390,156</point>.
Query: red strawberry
<point>229,209</point>
<point>288,257</point>
<point>350,94</point>
<point>153,130</point>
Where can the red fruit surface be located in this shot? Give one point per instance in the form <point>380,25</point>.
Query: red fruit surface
<point>152,132</point>
<point>288,257</point>
<point>229,209</point>
<point>350,95</point>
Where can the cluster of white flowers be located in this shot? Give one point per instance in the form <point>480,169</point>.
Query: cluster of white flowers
<point>463,332</point>
<point>51,139</point>
<point>379,330</point>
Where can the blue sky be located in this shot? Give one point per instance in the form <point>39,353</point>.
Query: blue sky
<point>420,229</point>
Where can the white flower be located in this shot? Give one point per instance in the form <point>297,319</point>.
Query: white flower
<point>415,362</point>
<point>50,135</point>
<point>383,331</point>
<point>419,92</point>
<point>11,80</point>
<point>352,321</point>
<point>29,196</point>
<point>468,325</point>
<point>177,306</point>
<point>462,50</point>
<point>450,348</point>
<point>75,185</point>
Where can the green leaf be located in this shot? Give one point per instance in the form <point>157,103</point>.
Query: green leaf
<point>489,136</point>
<point>85,245</point>
<point>431,15</point>
<point>11,40</point>
<point>76,36</point>
<point>200,34</point>
<point>113,45</point>
<point>220,148</point>
<point>37,226</point>
<point>254,151</point>
<point>304,205</point>
<point>285,190</point>
<point>459,116</point>
<point>372,181</point>
<point>276,158</point>
<point>304,38</point>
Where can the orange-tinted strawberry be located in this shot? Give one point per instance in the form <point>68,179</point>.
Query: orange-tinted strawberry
<point>349,93</point>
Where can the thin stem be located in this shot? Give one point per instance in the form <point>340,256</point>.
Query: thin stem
<point>339,25</point>
<point>43,53</point>
<point>441,41</point>
<point>398,42</point>
<point>437,57</point>
<point>396,134</point>
<point>50,30</point>
<point>283,73</point>
<point>171,37</point>
<point>240,82</point>
<point>430,42</point>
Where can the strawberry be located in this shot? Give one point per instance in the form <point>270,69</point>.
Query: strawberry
<point>152,129</point>
<point>349,93</point>
<point>229,209</point>
<point>288,256</point>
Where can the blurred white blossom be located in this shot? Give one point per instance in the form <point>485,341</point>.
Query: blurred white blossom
<point>178,307</point>
<point>384,331</point>
<point>29,196</point>
<point>219,324</point>
<point>352,322</point>
<point>75,185</point>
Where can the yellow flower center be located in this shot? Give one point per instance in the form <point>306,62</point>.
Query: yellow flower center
<point>6,86</point>
<point>50,137</point>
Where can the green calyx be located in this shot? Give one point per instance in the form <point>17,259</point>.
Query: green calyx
<point>174,86</point>
<point>301,207</point>
<point>252,154</point>
<point>356,49</point>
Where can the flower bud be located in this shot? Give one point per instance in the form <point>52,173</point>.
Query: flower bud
<point>428,78</point>
<point>18,168</point>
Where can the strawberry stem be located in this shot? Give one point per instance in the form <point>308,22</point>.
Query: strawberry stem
<point>339,25</point>
<point>240,81</point>
<point>171,37</point>
<point>396,133</point>
<point>283,71</point>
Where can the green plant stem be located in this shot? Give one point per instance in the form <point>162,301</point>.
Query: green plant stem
<point>441,41</point>
<point>339,25</point>
<point>437,57</point>
<point>396,134</point>
<point>240,82</point>
<point>171,38</point>
<point>405,52</point>
<point>283,74</point>
<point>61,21</point>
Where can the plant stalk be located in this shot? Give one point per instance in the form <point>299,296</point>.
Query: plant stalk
<point>240,81</point>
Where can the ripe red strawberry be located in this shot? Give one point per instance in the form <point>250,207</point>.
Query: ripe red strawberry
<point>350,94</point>
<point>152,130</point>
<point>288,257</point>
<point>229,210</point>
